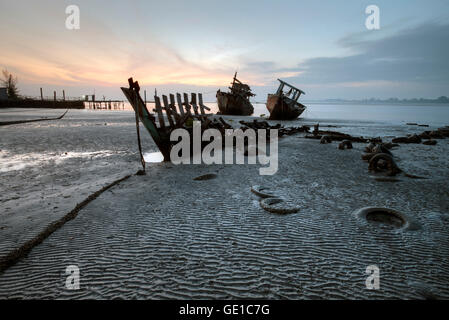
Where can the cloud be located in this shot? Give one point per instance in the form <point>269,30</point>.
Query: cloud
<point>104,53</point>
<point>418,55</point>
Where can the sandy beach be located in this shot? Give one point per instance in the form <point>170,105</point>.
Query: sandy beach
<point>165,235</point>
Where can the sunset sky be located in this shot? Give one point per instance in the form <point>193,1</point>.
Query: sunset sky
<point>322,47</point>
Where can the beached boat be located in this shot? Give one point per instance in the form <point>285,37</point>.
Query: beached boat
<point>284,105</point>
<point>235,102</point>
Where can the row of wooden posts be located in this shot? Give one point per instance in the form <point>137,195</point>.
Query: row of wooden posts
<point>174,117</point>
<point>54,95</point>
<point>91,104</point>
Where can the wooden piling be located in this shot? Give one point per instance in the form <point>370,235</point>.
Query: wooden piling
<point>173,108</point>
<point>193,103</point>
<point>168,111</point>
<point>158,109</point>
<point>186,103</point>
<point>200,101</point>
<point>180,106</point>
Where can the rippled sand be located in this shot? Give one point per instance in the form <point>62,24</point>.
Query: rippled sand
<point>165,235</point>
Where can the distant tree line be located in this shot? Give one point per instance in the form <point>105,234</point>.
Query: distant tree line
<point>442,99</point>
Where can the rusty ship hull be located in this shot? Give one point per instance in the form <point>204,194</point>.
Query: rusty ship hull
<point>230,104</point>
<point>283,108</point>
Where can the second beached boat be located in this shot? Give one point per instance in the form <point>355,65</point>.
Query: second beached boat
<point>235,102</point>
<point>284,105</point>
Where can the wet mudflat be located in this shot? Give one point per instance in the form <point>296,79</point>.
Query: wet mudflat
<point>167,235</point>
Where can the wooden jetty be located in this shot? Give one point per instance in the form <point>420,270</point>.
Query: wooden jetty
<point>106,105</point>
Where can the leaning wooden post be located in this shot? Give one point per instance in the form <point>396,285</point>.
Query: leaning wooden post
<point>54,96</point>
<point>63,95</point>
<point>145,96</point>
<point>134,86</point>
<point>42,95</point>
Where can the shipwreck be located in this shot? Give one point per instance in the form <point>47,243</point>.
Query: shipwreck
<point>236,101</point>
<point>180,112</point>
<point>284,105</point>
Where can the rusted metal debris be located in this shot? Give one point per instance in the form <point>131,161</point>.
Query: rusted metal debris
<point>440,133</point>
<point>255,125</point>
<point>326,136</point>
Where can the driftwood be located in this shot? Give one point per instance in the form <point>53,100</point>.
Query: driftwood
<point>7,123</point>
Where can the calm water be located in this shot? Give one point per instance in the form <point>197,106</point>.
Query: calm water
<point>433,115</point>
